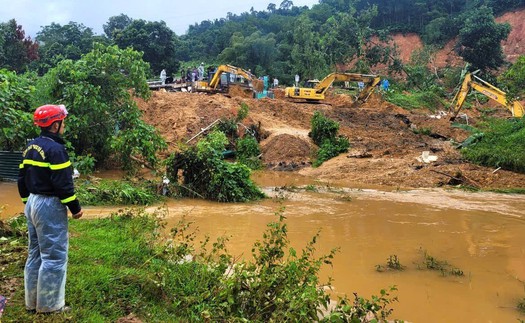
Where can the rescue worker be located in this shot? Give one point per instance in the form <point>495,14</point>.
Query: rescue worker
<point>200,71</point>
<point>163,76</point>
<point>45,184</point>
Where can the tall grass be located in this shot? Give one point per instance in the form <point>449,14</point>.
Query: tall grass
<point>501,145</point>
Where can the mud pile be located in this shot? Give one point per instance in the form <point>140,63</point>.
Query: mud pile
<point>387,142</point>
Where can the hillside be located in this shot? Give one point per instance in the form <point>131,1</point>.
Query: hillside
<point>384,138</point>
<point>513,47</point>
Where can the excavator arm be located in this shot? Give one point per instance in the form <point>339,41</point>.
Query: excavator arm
<point>214,82</point>
<point>318,92</point>
<point>471,81</point>
<point>212,85</point>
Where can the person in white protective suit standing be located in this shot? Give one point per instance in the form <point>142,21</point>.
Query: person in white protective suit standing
<point>163,76</point>
<point>45,184</point>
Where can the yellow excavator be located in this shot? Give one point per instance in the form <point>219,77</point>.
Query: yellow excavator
<point>471,81</point>
<point>223,77</point>
<point>318,89</point>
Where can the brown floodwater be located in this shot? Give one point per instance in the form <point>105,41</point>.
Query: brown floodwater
<point>482,234</point>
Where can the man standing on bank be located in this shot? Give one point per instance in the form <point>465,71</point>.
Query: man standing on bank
<point>45,184</point>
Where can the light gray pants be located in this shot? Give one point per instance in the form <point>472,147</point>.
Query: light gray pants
<point>46,265</point>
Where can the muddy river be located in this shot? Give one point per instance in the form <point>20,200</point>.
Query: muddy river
<point>481,234</point>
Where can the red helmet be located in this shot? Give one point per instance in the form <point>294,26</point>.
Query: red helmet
<point>47,114</point>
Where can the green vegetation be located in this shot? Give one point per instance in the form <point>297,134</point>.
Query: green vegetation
<point>414,99</point>
<point>498,143</point>
<point>428,262</point>
<point>16,123</point>
<point>392,263</point>
<point>113,192</point>
<point>207,175</point>
<point>104,119</point>
<point>521,305</point>
<point>248,152</point>
<point>442,266</point>
<point>281,40</point>
<point>509,190</point>
<point>324,134</point>
<point>117,266</point>
<point>513,80</point>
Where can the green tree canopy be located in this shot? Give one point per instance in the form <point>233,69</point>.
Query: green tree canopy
<point>16,50</point>
<point>98,91</point>
<point>116,24</point>
<point>59,42</point>
<point>154,39</point>
<point>480,39</point>
<point>251,52</point>
<point>16,121</point>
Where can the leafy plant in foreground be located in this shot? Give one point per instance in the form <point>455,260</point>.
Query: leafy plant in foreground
<point>16,122</point>
<point>99,91</point>
<point>375,309</point>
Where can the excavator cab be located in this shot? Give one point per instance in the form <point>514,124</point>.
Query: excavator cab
<point>311,84</point>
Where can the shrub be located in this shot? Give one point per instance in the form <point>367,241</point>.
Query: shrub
<point>206,175</point>
<point>330,149</point>
<point>248,152</point>
<point>324,134</point>
<point>415,99</point>
<point>323,128</point>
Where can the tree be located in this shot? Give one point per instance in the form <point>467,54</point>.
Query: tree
<point>154,39</point>
<point>16,50</point>
<point>286,5</point>
<point>98,90</point>
<point>16,123</point>
<point>249,52</point>
<point>59,42</point>
<point>308,58</point>
<point>345,34</point>
<point>116,24</point>
<point>480,39</point>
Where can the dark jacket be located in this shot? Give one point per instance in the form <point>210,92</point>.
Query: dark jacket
<point>46,170</point>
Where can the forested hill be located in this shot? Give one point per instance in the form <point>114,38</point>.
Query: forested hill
<point>282,40</point>
<point>287,39</point>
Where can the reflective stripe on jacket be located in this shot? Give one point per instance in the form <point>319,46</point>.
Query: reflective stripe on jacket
<point>46,169</point>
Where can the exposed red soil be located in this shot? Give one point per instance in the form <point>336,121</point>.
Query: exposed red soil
<point>513,46</point>
<point>384,138</point>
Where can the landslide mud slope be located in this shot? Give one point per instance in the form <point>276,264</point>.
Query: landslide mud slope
<point>385,139</point>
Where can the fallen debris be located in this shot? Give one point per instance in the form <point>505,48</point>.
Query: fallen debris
<point>426,157</point>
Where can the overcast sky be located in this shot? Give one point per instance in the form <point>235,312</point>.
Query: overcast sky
<point>178,15</point>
